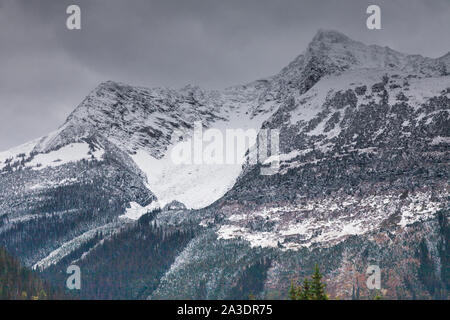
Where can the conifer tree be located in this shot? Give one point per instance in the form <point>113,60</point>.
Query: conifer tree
<point>17,282</point>
<point>293,291</point>
<point>305,290</point>
<point>311,289</point>
<point>317,287</point>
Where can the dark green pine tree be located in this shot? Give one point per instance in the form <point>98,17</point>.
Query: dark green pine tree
<point>293,291</point>
<point>17,282</point>
<point>305,293</point>
<point>317,287</point>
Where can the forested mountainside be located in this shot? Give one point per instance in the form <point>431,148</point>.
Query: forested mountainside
<point>363,180</point>
<point>19,283</point>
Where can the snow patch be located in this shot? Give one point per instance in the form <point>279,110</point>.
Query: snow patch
<point>440,140</point>
<point>70,153</point>
<point>12,154</point>
<point>135,211</point>
<point>328,221</point>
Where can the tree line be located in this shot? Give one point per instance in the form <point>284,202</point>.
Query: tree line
<point>20,283</point>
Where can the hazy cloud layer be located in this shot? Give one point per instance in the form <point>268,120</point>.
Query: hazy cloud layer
<point>46,70</point>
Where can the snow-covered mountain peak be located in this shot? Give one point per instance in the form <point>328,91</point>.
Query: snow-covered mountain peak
<point>330,36</point>
<point>341,53</point>
<point>143,122</point>
<point>137,118</point>
<point>333,53</point>
<point>363,172</point>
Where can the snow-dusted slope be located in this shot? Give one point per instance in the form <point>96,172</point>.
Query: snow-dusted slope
<point>142,122</point>
<point>146,123</point>
<point>357,116</point>
<point>363,179</point>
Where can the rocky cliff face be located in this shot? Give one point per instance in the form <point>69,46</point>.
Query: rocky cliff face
<point>363,180</point>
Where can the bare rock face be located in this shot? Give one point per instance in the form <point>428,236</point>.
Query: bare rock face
<point>363,180</point>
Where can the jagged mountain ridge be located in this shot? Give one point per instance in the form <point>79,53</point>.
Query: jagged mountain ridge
<point>136,110</point>
<point>329,105</point>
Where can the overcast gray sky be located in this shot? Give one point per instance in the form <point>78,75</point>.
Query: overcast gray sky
<point>46,70</point>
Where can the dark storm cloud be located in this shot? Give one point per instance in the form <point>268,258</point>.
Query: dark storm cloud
<point>46,69</point>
